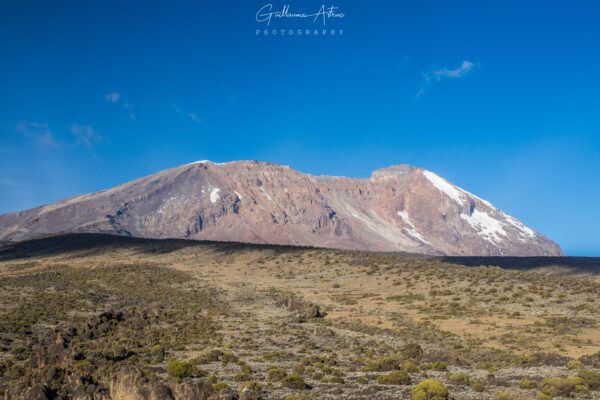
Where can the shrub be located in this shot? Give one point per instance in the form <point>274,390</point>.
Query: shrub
<point>562,386</point>
<point>412,351</point>
<point>252,385</point>
<point>543,396</point>
<point>384,364</point>
<point>503,396</point>
<point>394,378</point>
<point>458,378</point>
<point>409,366</point>
<point>294,382</point>
<point>211,356</point>
<point>276,374</point>
<point>591,378</point>
<point>217,387</point>
<point>430,389</point>
<point>476,386</point>
<point>180,369</point>
<point>336,379</point>
<point>362,380</point>
<point>317,375</point>
<point>528,384</point>
<point>439,366</point>
<point>574,364</point>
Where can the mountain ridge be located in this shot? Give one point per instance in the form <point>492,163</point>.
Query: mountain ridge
<point>398,208</point>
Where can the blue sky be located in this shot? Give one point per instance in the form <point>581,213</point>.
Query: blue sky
<point>499,97</point>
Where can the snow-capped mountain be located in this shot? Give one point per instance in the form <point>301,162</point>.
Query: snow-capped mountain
<point>400,208</point>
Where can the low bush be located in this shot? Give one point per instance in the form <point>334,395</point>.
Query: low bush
<point>562,386</point>
<point>294,382</point>
<point>384,364</point>
<point>181,369</point>
<point>591,378</point>
<point>439,366</point>
<point>528,384</point>
<point>458,378</point>
<point>430,389</point>
<point>276,374</point>
<point>394,378</point>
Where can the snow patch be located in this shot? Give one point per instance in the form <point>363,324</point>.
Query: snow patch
<point>486,226</point>
<point>214,195</point>
<point>412,231</point>
<point>264,192</point>
<point>201,162</point>
<point>445,187</point>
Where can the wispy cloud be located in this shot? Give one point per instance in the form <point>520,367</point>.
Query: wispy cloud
<point>195,117</point>
<point>445,73</point>
<point>41,133</point>
<point>85,135</point>
<point>459,72</point>
<point>191,115</point>
<point>112,97</point>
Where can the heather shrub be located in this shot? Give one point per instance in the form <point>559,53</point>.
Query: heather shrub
<point>430,389</point>
<point>294,382</point>
<point>181,369</point>
<point>394,378</point>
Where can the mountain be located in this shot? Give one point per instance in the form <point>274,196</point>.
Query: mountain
<point>400,208</point>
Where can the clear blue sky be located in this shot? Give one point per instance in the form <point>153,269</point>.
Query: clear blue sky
<point>500,97</point>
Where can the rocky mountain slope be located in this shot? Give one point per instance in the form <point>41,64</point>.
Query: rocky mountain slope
<point>401,208</point>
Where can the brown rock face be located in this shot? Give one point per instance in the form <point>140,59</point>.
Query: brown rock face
<point>401,208</point>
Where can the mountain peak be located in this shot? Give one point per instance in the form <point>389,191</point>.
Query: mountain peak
<point>400,208</point>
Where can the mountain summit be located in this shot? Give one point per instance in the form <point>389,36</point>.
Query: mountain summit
<point>400,208</point>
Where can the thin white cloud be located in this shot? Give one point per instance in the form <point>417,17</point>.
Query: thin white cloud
<point>112,97</point>
<point>459,72</point>
<point>85,135</point>
<point>195,117</point>
<point>443,73</point>
<point>41,133</point>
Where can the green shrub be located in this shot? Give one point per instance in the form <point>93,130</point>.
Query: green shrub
<point>317,376</point>
<point>336,379</point>
<point>180,369</point>
<point>543,396</point>
<point>362,380</point>
<point>217,387</point>
<point>591,378</point>
<point>430,389</point>
<point>276,374</point>
<point>439,366</point>
<point>394,378</point>
<point>528,384</point>
<point>458,378</point>
<point>241,377</point>
<point>409,366</point>
<point>294,382</point>
<point>252,385</point>
<point>412,351</point>
<point>562,386</point>
<point>503,396</point>
<point>384,364</point>
<point>574,364</point>
<point>476,386</point>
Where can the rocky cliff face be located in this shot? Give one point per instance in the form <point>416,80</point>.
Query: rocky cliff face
<point>401,208</point>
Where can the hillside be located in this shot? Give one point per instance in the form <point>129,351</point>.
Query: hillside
<point>108,317</point>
